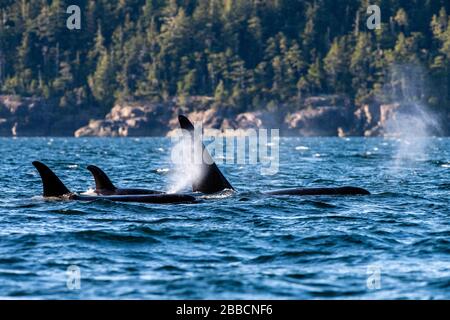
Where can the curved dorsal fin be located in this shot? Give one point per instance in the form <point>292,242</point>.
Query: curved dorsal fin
<point>53,186</point>
<point>185,123</point>
<point>211,180</point>
<point>102,181</point>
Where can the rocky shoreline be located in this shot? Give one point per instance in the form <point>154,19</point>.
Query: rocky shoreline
<point>317,116</point>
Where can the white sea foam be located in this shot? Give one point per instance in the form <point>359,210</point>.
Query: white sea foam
<point>89,192</point>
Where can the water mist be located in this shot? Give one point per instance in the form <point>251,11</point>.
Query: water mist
<point>185,169</point>
<point>412,123</point>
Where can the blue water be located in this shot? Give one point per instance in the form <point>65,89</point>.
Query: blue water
<point>244,246</point>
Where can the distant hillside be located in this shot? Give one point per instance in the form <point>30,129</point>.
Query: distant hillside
<point>248,54</point>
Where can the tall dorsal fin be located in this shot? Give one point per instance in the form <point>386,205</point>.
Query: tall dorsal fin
<point>52,185</point>
<point>185,123</point>
<point>102,181</point>
<point>211,180</point>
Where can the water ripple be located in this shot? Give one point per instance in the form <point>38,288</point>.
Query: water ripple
<point>231,246</point>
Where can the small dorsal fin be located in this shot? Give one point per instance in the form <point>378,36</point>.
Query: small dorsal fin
<point>53,187</point>
<point>102,181</point>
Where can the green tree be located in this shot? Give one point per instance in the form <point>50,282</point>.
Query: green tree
<point>336,66</point>
<point>362,66</point>
<point>101,82</point>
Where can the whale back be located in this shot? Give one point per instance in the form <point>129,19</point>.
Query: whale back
<point>52,185</point>
<point>211,179</point>
<point>348,190</point>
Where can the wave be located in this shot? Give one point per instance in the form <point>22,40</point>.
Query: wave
<point>122,237</point>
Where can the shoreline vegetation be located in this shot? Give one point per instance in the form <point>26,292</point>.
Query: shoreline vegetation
<point>306,67</point>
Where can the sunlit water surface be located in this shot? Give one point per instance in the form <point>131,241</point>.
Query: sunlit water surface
<point>392,244</point>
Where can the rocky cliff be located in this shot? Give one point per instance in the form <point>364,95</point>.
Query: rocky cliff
<point>22,116</point>
<point>317,116</point>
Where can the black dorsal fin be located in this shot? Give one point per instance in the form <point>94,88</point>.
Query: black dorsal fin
<point>102,181</point>
<point>211,180</point>
<point>53,187</point>
<point>185,123</point>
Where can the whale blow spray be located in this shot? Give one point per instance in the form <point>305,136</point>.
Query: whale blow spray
<point>413,122</point>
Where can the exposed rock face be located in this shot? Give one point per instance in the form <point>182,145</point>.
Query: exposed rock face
<point>129,120</point>
<point>260,119</point>
<point>220,120</point>
<point>395,120</point>
<point>366,120</point>
<point>384,114</point>
<point>21,116</point>
<point>317,116</point>
<point>149,119</point>
<point>319,121</point>
<point>208,119</point>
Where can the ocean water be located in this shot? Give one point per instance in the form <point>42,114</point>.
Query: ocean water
<point>393,244</point>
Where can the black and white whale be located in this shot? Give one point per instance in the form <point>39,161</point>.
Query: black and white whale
<point>104,186</point>
<point>211,180</point>
<point>54,188</point>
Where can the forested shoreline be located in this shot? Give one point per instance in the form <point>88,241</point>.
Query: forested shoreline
<point>248,55</point>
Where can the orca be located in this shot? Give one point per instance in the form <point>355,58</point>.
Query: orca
<point>319,191</point>
<point>54,188</point>
<point>212,180</point>
<point>104,186</point>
